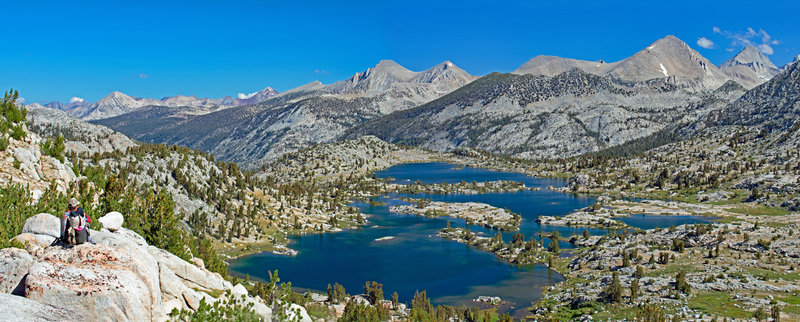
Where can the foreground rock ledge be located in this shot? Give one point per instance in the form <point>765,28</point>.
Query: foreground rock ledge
<point>122,278</point>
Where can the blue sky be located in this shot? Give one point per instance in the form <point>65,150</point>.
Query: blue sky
<point>57,50</point>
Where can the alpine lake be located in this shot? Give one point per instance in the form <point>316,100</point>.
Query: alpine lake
<point>413,258</point>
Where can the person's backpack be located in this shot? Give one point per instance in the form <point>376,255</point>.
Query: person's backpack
<point>77,232</point>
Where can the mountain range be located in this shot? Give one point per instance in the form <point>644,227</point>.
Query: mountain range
<point>549,107</point>
<point>117,103</point>
<point>311,114</point>
<point>773,106</point>
<point>668,57</point>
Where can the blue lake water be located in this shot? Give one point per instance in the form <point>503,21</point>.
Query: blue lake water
<point>416,259</point>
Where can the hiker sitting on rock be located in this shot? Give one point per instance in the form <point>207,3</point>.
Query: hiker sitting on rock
<point>75,224</point>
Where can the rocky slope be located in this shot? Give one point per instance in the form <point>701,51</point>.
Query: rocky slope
<point>330,161</point>
<point>216,199</point>
<point>536,116</point>
<point>729,270</point>
<point>774,105</point>
<point>80,137</point>
<point>118,103</point>
<point>668,58</point>
<point>195,181</point>
<point>122,278</point>
<point>749,67</point>
<point>296,119</point>
<point>22,162</point>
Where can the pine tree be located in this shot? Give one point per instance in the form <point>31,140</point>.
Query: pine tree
<point>634,289</point>
<point>613,292</point>
<point>775,312</point>
<point>681,284</point>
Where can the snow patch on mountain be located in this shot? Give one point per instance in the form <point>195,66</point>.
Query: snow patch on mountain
<point>664,70</point>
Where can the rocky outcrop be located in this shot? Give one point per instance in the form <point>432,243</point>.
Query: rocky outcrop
<point>473,212</point>
<point>121,278</point>
<point>18,308</point>
<point>23,162</point>
<point>112,221</point>
<point>15,264</point>
<point>105,283</point>
<point>582,219</point>
<point>81,137</point>
<point>43,224</point>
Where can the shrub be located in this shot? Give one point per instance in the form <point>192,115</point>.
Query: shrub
<point>710,279</point>
<point>17,132</point>
<point>760,314</point>
<point>228,309</point>
<point>359,312</point>
<point>764,243</point>
<point>651,313</point>
<point>3,142</point>
<point>54,148</point>
<point>639,272</point>
<point>16,206</point>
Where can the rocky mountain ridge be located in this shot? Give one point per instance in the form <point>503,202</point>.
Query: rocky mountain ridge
<point>299,118</point>
<point>667,58</point>
<point>681,81</point>
<point>118,103</point>
<point>536,116</point>
<point>774,105</point>
<point>749,67</point>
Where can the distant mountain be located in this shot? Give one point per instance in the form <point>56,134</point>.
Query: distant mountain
<point>118,103</point>
<point>395,88</point>
<point>298,118</point>
<point>552,66</point>
<point>668,58</point>
<point>774,105</point>
<point>796,59</point>
<point>388,75</point>
<point>749,67</point>
<point>537,116</point>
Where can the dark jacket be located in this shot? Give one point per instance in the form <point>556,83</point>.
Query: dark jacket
<point>65,219</point>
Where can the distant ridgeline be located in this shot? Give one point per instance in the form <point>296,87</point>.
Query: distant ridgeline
<point>548,108</point>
